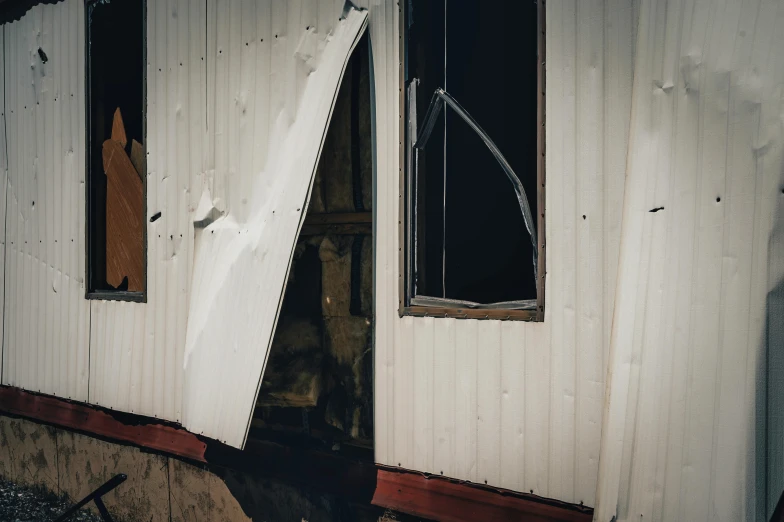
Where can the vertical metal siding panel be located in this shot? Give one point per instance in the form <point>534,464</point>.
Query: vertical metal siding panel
<point>512,425</point>
<point>588,213</point>
<point>443,406</point>
<point>392,345</point>
<point>3,193</point>
<point>488,448</point>
<point>76,161</point>
<point>400,385</point>
<point>41,351</point>
<point>467,355</point>
<point>620,19</point>
<point>537,413</point>
<point>706,284</point>
<point>9,152</point>
<point>693,454</point>
<point>566,472</point>
<point>738,200</point>
<point>424,340</point>
<point>768,244</point>
<point>558,74</point>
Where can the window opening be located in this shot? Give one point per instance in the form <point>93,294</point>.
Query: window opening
<point>116,157</point>
<point>473,191</point>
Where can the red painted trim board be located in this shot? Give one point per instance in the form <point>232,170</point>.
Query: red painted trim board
<point>448,500</point>
<point>82,417</point>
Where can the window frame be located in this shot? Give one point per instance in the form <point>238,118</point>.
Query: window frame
<point>90,292</point>
<point>406,254</point>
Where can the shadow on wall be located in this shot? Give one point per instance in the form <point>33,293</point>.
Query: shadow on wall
<point>770,377</point>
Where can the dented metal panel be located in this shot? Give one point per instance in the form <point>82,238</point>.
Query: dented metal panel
<point>45,337</point>
<point>696,303</point>
<point>515,405</point>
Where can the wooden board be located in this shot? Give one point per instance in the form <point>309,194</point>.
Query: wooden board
<point>118,129</point>
<point>439,498</point>
<point>124,219</point>
<point>138,159</point>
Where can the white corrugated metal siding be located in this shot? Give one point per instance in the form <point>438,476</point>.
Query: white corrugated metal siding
<point>136,350</point>
<point>45,338</point>
<point>516,405</point>
<point>3,185</point>
<point>685,423</point>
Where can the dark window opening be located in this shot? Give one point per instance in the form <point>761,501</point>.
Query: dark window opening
<point>469,246</point>
<point>116,156</point>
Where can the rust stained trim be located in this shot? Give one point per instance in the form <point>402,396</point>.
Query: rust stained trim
<point>149,433</point>
<point>448,500</point>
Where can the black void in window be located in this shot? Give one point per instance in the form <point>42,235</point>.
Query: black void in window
<point>471,240</point>
<point>116,155</point>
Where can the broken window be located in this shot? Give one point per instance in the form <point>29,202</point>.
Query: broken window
<point>474,176</point>
<point>116,148</point>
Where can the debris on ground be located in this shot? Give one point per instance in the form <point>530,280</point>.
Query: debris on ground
<point>26,504</point>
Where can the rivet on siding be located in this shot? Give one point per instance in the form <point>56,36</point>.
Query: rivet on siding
<point>718,199</point>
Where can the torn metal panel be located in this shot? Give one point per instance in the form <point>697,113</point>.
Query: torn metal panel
<point>241,263</point>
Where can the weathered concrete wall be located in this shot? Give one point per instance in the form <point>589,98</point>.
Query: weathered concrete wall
<point>159,488</point>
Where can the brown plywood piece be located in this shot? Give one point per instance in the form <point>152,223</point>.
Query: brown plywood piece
<point>124,219</point>
<point>138,159</point>
<point>118,129</point>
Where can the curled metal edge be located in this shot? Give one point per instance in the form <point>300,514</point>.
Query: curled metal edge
<point>441,97</point>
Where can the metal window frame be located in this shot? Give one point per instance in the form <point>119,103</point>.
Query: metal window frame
<point>409,302</point>
<point>102,294</point>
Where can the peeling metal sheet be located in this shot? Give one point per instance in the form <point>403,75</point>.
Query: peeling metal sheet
<point>241,261</point>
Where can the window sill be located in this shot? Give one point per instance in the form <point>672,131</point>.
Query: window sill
<point>468,313</point>
<point>116,295</point>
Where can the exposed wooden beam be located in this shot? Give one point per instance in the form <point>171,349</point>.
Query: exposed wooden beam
<point>347,223</point>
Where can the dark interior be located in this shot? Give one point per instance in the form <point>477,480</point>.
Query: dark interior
<point>116,79</point>
<point>484,54</point>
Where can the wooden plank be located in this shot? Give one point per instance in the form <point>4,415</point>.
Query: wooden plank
<point>452,501</point>
<point>124,219</point>
<point>118,129</point>
<point>138,159</point>
<point>149,433</point>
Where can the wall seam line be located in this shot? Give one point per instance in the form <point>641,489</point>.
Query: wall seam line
<point>5,210</point>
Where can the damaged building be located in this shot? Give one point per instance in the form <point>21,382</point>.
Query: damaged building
<point>401,260</point>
